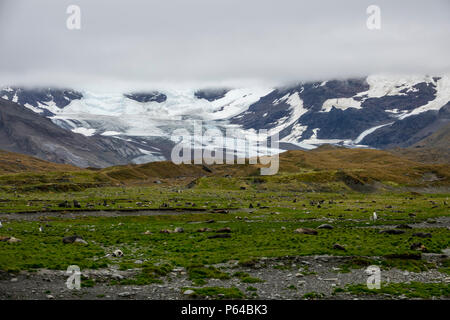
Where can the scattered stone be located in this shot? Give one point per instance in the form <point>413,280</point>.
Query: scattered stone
<point>403,226</point>
<point>157,182</point>
<point>117,276</point>
<point>250,206</point>
<point>178,230</point>
<point>325,226</point>
<point>422,235</point>
<point>210,221</point>
<point>204,230</point>
<point>307,231</point>
<point>125,294</point>
<point>14,279</point>
<point>117,253</point>
<point>49,296</point>
<point>392,231</point>
<point>71,239</point>
<point>138,262</point>
<point>339,247</point>
<point>224,230</point>
<point>165,231</point>
<point>147,232</point>
<point>220,235</point>
<point>188,292</point>
<point>76,204</point>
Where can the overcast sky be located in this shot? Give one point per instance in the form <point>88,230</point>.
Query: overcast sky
<point>217,42</point>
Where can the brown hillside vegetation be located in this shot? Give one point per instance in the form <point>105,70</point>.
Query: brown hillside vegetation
<point>357,165</point>
<point>368,165</point>
<point>329,166</point>
<point>11,162</point>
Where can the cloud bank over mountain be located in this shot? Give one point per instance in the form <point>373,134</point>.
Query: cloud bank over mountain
<point>135,44</point>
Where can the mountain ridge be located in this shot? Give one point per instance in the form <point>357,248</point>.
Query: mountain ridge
<point>380,111</point>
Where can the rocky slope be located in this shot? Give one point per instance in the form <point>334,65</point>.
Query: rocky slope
<point>26,132</point>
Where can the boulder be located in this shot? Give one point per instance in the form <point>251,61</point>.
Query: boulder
<point>224,230</point>
<point>392,231</point>
<point>220,235</point>
<point>422,235</point>
<point>325,226</point>
<point>64,204</point>
<point>79,240</point>
<point>307,231</point>
<point>339,247</point>
<point>72,239</point>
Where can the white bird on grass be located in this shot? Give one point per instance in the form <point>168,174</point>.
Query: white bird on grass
<point>374,216</point>
<point>1,226</point>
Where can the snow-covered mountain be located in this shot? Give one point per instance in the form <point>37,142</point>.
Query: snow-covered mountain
<point>379,111</point>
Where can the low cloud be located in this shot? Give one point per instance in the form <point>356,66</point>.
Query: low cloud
<point>207,43</point>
